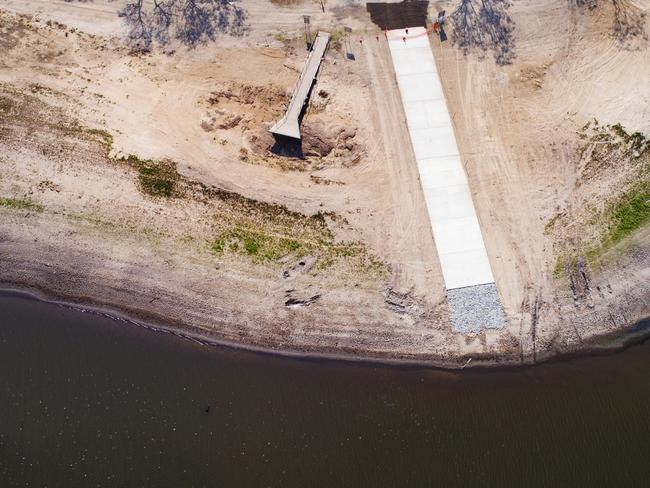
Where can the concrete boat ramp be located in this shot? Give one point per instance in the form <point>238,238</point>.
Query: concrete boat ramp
<point>289,125</point>
<point>473,298</point>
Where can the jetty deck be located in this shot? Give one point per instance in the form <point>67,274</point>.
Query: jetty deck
<point>289,125</point>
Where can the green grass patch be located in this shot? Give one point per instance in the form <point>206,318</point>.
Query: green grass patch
<point>353,253</point>
<point>635,140</point>
<point>268,246</point>
<point>258,245</point>
<point>606,151</point>
<point>157,178</point>
<point>337,36</point>
<point>20,204</point>
<point>260,231</point>
<point>630,213</point>
<point>275,219</point>
<point>559,268</point>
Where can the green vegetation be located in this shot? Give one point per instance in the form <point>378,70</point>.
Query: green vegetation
<point>559,268</point>
<point>336,38</point>
<point>605,152</point>
<point>266,232</point>
<point>157,178</point>
<point>258,245</point>
<point>605,141</point>
<point>635,141</point>
<point>264,246</point>
<point>105,138</point>
<point>631,209</point>
<point>354,253</point>
<point>259,231</point>
<point>630,213</point>
<point>20,204</point>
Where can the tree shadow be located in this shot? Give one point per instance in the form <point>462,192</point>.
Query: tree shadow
<point>191,22</point>
<point>485,25</point>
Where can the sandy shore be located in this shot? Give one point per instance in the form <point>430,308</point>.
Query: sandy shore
<point>606,344</point>
<point>147,184</point>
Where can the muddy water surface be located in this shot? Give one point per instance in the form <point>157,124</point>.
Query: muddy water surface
<point>88,401</point>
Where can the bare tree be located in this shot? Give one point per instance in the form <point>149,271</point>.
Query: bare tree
<point>189,21</point>
<point>629,21</point>
<point>162,20</point>
<point>590,4</point>
<point>486,26</point>
<point>140,31</point>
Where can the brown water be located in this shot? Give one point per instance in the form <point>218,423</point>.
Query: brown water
<point>408,13</point>
<point>89,401</point>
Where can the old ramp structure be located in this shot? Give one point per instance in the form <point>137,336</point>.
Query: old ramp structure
<point>471,291</point>
<point>289,125</point>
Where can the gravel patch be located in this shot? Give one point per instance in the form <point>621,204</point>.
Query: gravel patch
<point>475,308</point>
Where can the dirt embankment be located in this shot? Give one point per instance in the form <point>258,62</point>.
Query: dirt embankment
<point>87,216</point>
<point>548,187</point>
<point>149,183</point>
<point>238,116</point>
<point>235,269</point>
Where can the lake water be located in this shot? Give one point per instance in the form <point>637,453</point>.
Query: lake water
<point>89,401</point>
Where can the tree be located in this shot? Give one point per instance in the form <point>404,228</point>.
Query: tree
<point>139,26</point>
<point>191,22</point>
<point>484,25</point>
<point>590,4</point>
<point>628,19</point>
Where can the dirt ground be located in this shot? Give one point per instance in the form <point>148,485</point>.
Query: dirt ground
<point>368,283</point>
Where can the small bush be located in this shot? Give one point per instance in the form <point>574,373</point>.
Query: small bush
<point>19,203</point>
<point>105,137</point>
<point>337,36</point>
<point>631,213</point>
<point>157,178</point>
<point>258,245</point>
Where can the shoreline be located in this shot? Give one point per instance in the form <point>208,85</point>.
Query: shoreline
<point>605,344</point>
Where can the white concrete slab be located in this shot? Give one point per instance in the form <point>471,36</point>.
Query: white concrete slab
<point>412,62</point>
<point>441,172</point>
<point>461,268</point>
<point>419,87</point>
<point>449,203</point>
<point>454,224</point>
<point>433,142</point>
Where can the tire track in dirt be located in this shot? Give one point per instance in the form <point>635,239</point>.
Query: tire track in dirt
<point>407,226</point>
